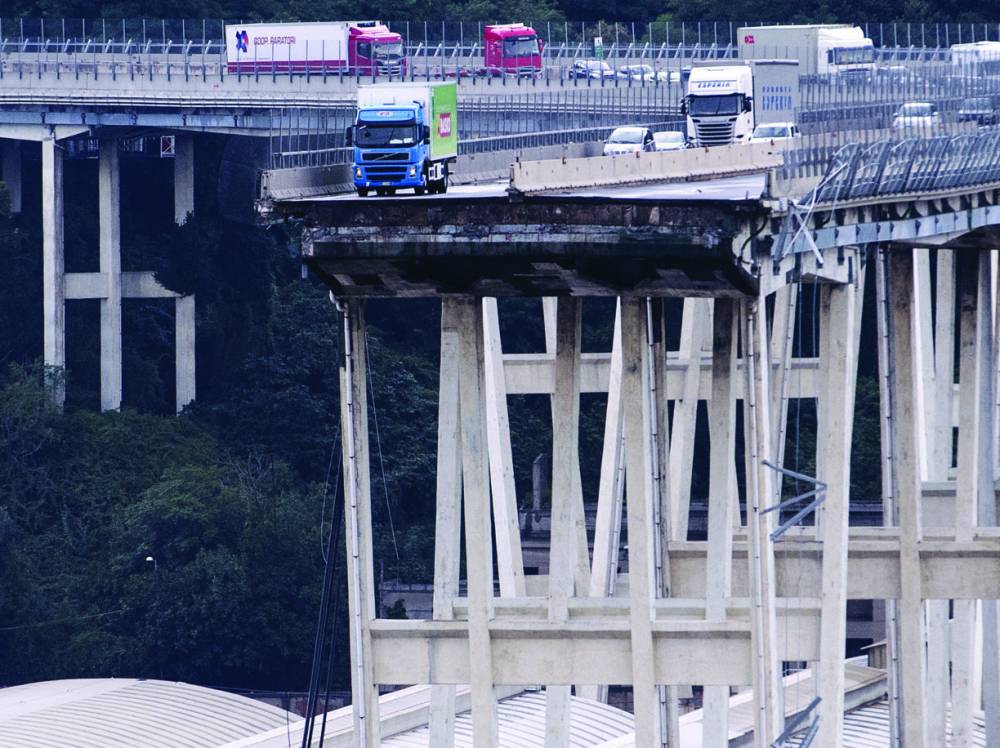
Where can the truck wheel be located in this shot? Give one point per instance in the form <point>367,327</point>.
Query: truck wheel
<point>419,190</point>
<point>443,186</point>
<point>362,192</point>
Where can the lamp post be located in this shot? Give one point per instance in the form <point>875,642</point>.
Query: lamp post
<point>156,613</point>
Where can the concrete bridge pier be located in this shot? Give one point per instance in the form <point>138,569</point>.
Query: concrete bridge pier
<point>183,178</point>
<point>109,211</point>
<point>53,264</point>
<point>110,284</point>
<point>10,172</point>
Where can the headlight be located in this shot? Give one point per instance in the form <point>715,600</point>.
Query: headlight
<point>357,171</point>
<point>413,171</point>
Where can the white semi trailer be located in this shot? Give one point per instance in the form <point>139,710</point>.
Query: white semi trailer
<point>821,49</point>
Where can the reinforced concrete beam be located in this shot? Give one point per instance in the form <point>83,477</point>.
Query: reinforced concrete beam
<point>407,652</point>
<point>534,374</point>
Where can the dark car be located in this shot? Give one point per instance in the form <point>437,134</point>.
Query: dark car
<point>979,109</point>
<point>593,69</point>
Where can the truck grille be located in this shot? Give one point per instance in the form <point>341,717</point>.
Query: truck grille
<point>385,173</point>
<point>714,133</point>
<point>385,156</point>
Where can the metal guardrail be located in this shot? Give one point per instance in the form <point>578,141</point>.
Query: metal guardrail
<point>315,136</point>
<point>911,166</point>
<point>897,166</point>
<point>718,34</point>
<point>287,154</point>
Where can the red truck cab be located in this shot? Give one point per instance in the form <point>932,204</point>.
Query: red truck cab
<point>375,50</point>
<point>512,49</point>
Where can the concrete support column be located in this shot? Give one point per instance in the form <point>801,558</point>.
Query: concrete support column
<point>582,561</point>
<point>358,522</point>
<point>183,178</point>
<point>610,492</point>
<point>906,448</point>
<point>988,445</point>
<point>721,508</point>
<point>109,210</point>
<point>53,266</point>
<point>510,563</point>
<point>838,363</point>
<point>974,414</point>
<point>184,336</point>
<point>639,477</point>
<point>478,531</point>
<point>10,154</point>
<point>563,544</point>
<point>769,711</point>
<point>448,518</point>
<point>695,324</point>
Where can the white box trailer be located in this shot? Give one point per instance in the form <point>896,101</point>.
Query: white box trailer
<point>976,58</point>
<point>775,90</point>
<point>821,49</point>
<point>354,46</point>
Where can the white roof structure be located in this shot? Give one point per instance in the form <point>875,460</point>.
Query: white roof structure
<point>404,716</point>
<point>521,723</point>
<point>124,712</point>
<point>868,727</point>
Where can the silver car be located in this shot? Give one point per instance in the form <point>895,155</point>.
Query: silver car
<point>628,140</point>
<point>669,140</point>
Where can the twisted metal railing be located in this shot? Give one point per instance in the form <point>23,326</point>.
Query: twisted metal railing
<point>900,166</point>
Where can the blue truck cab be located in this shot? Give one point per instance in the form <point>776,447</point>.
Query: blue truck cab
<point>404,136</point>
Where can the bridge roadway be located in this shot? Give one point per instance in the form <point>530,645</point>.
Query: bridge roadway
<point>740,188</point>
<point>673,238</point>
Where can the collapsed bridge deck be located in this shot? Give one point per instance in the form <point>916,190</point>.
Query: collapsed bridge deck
<point>680,239</point>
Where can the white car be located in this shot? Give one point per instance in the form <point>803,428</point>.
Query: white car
<point>669,140</point>
<point>774,131</point>
<point>628,140</point>
<point>640,73</point>
<point>921,118</point>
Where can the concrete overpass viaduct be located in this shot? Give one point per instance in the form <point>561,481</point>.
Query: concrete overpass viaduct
<point>762,592</point>
<point>727,612</point>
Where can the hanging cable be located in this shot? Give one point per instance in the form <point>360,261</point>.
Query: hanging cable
<point>334,450</point>
<point>333,639</point>
<point>381,462</point>
<point>321,626</point>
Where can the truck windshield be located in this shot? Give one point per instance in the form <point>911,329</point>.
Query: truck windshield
<point>369,135</point>
<point>521,47</point>
<point>388,49</point>
<point>702,106</point>
<point>854,55</point>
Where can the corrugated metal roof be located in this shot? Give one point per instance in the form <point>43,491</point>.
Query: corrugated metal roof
<point>868,727</point>
<point>122,713</point>
<point>521,723</point>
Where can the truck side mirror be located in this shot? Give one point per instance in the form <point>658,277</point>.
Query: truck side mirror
<point>748,104</point>
<point>541,45</point>
<point>684,107</point>
<point>349,135</point>
<point>427,135</point>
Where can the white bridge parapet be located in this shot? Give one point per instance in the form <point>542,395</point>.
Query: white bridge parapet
<point>690,164</point>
